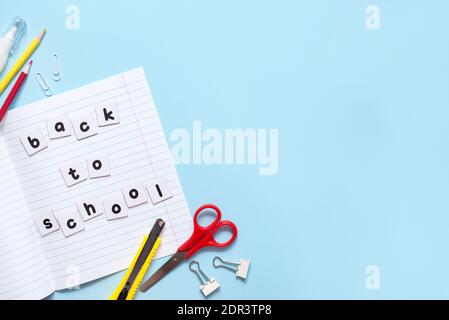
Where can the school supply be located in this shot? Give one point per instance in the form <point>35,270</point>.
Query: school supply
<point>240,268</point>
<point>21,61</point>
<point>131,281</point>
<point>11,39</point>
<point>56,68</point>
<point>15,89</point>
<point>201,237</point>
<point>208,286</point>
<point>33,266</point>
<point>43,84</point>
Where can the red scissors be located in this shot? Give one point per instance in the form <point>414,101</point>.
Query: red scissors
<point>201,237</point>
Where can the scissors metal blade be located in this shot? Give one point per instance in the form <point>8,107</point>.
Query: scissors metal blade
<point>175,260</point>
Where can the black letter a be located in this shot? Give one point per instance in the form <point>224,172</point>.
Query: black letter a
<point>59,127</point>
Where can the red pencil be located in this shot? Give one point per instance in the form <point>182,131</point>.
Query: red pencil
<point>15,89</point>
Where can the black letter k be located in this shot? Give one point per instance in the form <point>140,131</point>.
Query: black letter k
<point>107,115</point>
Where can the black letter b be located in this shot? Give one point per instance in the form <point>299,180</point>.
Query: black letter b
<point>34,142</point>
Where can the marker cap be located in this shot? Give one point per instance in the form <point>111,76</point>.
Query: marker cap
<point>14,32</point>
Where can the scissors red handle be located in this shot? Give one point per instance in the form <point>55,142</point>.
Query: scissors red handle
<point>204,236</point>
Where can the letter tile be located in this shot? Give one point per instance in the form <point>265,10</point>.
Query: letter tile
<point>98,165</point>
<point>134,194</point>
<point>73,173</point>
<point>70,222</point>
<point>115,206</point>
<point>45,222</point>
<point>90,208</point>
<point>58,127</point>
<point>84,126</point>
<point>33,141</point>
<point>107,115</point>
<point>158,190</point>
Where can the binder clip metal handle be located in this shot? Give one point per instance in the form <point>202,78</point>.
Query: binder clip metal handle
<point>56,68</point>
<point>240,268</point>
<point>208,285</point>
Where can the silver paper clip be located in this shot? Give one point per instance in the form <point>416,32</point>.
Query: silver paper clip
<point>43,84</point>
<point>208,285</point>
<point>241,268</point>
<point>56,68</point>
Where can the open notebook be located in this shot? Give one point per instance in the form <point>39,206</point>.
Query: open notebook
<point>33,266</point>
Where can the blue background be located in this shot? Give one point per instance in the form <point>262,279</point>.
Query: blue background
<point>363,131</point>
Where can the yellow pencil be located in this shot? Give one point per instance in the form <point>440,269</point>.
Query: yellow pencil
<point>19,63</point>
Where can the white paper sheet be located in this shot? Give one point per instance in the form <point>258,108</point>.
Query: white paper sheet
<point>137,151</point>
<point>23,269</point>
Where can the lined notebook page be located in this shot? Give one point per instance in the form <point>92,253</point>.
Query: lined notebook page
<point>137,151</point>
<point>23,270</point>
